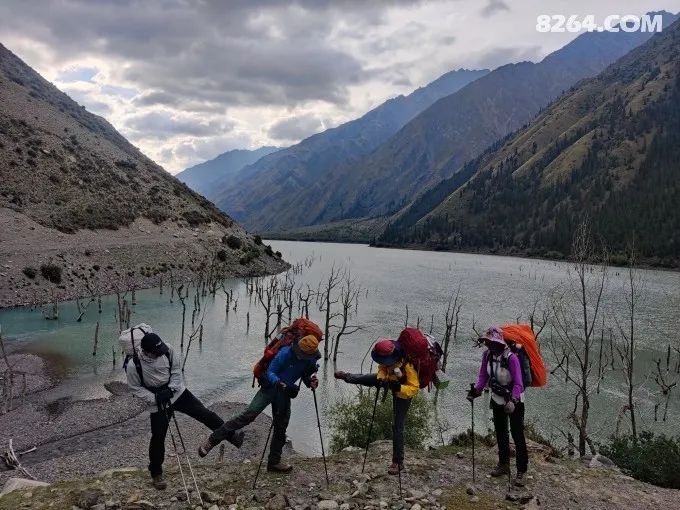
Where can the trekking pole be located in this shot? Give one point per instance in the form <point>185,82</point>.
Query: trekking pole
<point>472,414</point>
<point>399,469</point>
<point>259,467</point>
<point>186,457</point>
<point>179,462</point>
<point>318,423</point>
<point>370,428</point>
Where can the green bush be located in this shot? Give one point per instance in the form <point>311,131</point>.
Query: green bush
<point>30,272</point>
<point>222,255</point>
<point>268,250</point>
<point>234,242</point>
<point>351,419</point>
<point>258,240</point>
<point>652,459</point>
<point>51,273</point>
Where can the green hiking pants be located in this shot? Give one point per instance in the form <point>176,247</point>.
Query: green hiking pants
<point>280,403</point>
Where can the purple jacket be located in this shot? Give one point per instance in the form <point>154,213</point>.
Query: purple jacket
<point>515,373</point>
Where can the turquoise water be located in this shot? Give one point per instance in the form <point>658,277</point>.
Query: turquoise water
<point>494,290</point>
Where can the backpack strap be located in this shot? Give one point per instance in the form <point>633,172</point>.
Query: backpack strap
<point>138,363</point>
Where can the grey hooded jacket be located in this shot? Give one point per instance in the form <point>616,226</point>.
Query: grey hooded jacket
<point>157,372</point>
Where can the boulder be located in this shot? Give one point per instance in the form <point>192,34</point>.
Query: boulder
<point>327,504</point>
<point>278,502</point>
<point>20,483</point>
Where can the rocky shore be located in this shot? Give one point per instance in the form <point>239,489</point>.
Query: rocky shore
<point>95,263</point>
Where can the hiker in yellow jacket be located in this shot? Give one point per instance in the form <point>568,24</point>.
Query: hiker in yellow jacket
<point>398,375</point>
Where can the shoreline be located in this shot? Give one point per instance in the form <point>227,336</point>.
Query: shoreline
<point>64,437</point>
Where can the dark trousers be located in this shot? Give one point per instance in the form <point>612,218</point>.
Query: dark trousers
<point>400,410</point>
<point>500,423</point>
<point>280,403</point>
<point>188,404</point>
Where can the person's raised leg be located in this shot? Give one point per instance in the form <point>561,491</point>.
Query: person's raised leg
<point>260,401</point>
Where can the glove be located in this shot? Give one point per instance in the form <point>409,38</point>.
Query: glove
<point>339,374</point>
<point>472,394</point>
<point>164,396</point>
<point>509,407</point>
<point>394,386</point>
<point>292,391</point>
<point>314,382</point>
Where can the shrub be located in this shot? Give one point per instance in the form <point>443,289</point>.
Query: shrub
<point>156,215</point>
<point>351,420</point>
<point>652,459</point>
<point>258,240</point>
<point>268,250</point>
<point>278,254</point>
<point>51,273</point>
<point>234,242</point>
<point>222,255</point>
<point>30,272</point>
<point>195,218</point>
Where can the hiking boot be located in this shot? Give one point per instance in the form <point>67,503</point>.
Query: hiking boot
<point>395,468</point>
<point>520,479</point>
<point>158,482</point>
<point>281,467</point>
<point>205,448</point>
<point>500,470</point>
<point>237,438</point>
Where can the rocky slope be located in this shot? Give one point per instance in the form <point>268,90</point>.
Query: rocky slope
<point>267,194</point>
<point>607,149</point>
<point>434,480</point>
<point>76,195</point>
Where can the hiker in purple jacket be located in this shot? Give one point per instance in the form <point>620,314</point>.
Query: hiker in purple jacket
<point>500,371</point>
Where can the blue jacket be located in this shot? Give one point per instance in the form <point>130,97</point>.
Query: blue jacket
<point>287,367</point>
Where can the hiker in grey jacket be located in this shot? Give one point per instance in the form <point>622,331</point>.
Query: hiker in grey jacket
<point>154,375</point>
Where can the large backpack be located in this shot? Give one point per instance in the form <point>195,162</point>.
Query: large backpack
<point>128,340</point>
<point>522,341</point>
<point>424,353</point>
<point>287,336</point>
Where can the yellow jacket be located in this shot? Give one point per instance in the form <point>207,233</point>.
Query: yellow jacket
<point>409,387</point>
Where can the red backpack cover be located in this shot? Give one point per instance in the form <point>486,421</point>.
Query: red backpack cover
<point>297,330</point>
<point>421,353</point>
<point>523,336</point>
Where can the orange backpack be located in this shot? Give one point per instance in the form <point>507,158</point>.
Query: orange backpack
<point>520,337</point>
<point>297,330</point>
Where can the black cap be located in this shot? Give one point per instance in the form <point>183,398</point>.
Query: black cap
<point>152,343</point>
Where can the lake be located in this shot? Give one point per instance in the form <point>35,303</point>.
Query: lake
<point>494,290</point>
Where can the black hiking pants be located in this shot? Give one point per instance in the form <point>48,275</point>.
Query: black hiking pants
<point>280,403</point>
<point>188,404</point>
<point>400,410</point>
<point>500,423</point>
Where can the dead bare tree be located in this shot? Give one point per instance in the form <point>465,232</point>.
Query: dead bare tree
<point>328,299</point>
<point>451,322</point>
<point>349,302</point>
<point>576,312</point>
<point>303,301</point>
<point>665,387</point>
<point>267,296</point>
<point>626,346</point>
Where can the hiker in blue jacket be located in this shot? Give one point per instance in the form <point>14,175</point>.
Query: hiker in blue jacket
<point>278,385</point>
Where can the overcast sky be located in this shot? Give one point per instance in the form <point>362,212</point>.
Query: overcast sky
<point>185,80</point>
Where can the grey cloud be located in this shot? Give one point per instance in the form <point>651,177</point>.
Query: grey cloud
<point>493,7</point>
<point>295,128</point>
<point>162,125</point>
<point>239,53</point>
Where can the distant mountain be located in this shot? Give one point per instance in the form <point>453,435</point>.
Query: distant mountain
<point>272,185</point>
<point>222,170</point>
<point>83,212</point>
<point>608,150</point>
<point>436,143</point>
